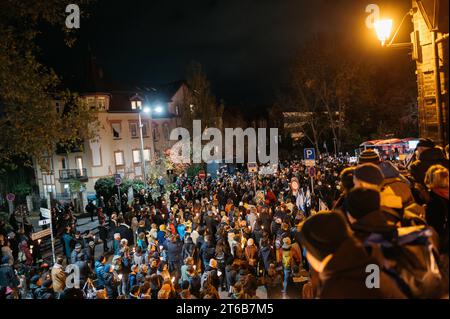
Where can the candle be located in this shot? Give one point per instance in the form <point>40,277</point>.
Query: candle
<point>39,241</point>
<point>120,276</point>
<point>160,247</point>
<point>173,279</point>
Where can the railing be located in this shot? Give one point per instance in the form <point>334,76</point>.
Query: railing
<point>68,174</point>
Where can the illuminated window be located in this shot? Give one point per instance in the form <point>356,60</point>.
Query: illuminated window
<point>147,155</point>
<point>101,103</point>
<point>136,105</point>
<point>136,156</point>
<point>119,158</point>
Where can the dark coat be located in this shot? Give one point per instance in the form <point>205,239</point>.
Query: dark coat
<point>344,277</point>
<point>265,254</point>
<point>174,250</point>
<point>127,233</point>
<point>188,249</point>
<point>7,277</point>
<point>437,217</point>
<point>110,285</point>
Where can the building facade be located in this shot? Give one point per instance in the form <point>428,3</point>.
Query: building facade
<point>117,149</point>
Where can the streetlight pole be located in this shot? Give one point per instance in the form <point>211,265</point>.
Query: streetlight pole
<point>144,174</point>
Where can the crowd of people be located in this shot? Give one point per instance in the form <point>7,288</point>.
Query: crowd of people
<point>225,237</point>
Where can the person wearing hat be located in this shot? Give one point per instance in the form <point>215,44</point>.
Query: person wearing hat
<point>365,216</point>
<point>340,260</point>
<point>369,156</point>
<point>427,154</point>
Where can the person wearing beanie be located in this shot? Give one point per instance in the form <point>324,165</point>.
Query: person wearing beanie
<point>368,175</point>
<point>340,260</point>
<point>369,156</point>
<point>365,216</point>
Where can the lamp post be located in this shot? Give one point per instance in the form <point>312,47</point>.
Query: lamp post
<point>426,39</point>
<point>146,110</point>
<point>158,109</point>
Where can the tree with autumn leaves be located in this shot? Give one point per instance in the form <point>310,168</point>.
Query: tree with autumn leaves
<point>30,125</point>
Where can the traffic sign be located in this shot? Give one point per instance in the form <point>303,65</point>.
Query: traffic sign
<point>312,171</point>
<point>10,197</point>
<point>252,167</point>
<point>309,153</point>
<point>44,222</point>
<point>45,212</point>
<point>41,234</point>
<point>201,174</point>
<point>118,181</point>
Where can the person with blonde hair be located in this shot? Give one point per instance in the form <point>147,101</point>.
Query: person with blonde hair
<point>437,183</point>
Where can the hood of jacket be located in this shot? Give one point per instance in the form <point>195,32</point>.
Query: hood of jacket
<point>374,222</point>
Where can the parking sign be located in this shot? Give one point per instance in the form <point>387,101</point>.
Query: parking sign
<point>309,153</point>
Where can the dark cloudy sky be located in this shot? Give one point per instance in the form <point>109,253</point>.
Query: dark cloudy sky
<point>245,46</point>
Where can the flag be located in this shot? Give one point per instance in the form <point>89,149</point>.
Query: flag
<point>308,198</point>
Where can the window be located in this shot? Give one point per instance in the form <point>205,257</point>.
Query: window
<point>136,105</point>
<point>66,189</point>
<point>145,129</point>
<point>147,155</point>
<point>116,129</point>
<point>63,163</point>
<point>177,110</point>
<point>119,158</point>
<point>166,132</point>
<point>136,156</point>
<point>101,103</point>
<point>155,134</point>
<point>134,130</point>
<point>79,161</point>
<point>91,102</point>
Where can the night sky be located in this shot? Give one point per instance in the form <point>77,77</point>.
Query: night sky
<point>245,46</point>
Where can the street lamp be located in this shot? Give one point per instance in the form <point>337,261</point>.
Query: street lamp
<point>383,30</point>
<point>145,110</point>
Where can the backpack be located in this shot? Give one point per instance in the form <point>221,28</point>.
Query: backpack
<point>411,260</point>
<point>286,259</point>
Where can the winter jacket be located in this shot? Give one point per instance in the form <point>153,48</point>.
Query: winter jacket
<point>207,251</point>
<point>7,277</point>
<point>265,254</point>
<point>344,276</point>
<point>110,285</point>
<point>100,273</point>
<point>126,232</point>
<point>174,250</point>
<point>58,278</point>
